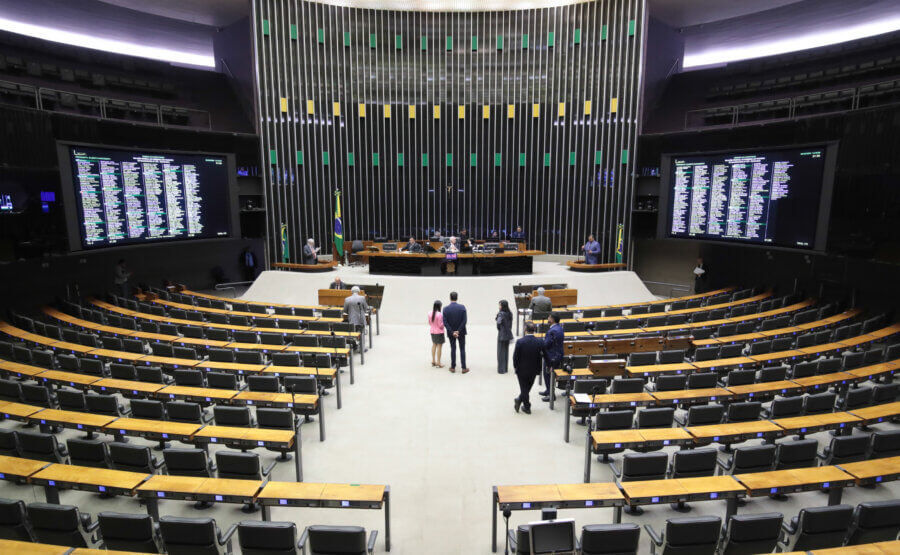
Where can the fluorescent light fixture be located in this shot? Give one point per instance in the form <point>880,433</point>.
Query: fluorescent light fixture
<point>107,45</point>
<point>793,44</point>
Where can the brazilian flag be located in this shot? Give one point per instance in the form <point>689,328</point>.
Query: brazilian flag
<point>338,227</point>
<point>620,232</point>
<point>285,250</point>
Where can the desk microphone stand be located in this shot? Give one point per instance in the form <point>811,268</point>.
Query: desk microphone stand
<point>506,514</point>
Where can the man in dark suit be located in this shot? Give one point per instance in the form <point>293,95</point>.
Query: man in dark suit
<point>412,246</point>
<point>310,252</point>
<point>527,363</point>
<point>337,284</point>
<point>455,318</point>
<point>553,351</point>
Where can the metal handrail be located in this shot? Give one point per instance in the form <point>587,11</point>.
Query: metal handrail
<point>231,286</point>
<point>673,287</point>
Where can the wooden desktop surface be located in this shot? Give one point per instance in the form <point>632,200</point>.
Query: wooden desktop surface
<point>14,547</point>
<point>83,475</point>
<point>15,466</point>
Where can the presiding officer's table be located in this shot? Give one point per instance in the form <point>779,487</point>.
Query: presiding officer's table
<point>433,263</point>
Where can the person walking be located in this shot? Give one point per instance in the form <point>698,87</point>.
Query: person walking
<point>527,357</point>
<point>355,310</point>
<point>553,352</point>
<point>436,327</point>
<point>504,336</point>
<point>455,318</point>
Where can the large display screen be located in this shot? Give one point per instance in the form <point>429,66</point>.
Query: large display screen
<point>127,197</point>
<point>766,197</point>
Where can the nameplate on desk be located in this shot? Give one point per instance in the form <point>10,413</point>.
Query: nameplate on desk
<point>582,398</point>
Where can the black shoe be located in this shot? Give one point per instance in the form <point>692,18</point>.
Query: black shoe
<point>526,410</point>
<point>516,404</point>
<point>581,422</point>
<point>544,393</point>
<point>545,398</point>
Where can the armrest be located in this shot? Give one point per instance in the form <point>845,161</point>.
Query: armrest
<point>124,411</point>
<point>823,456</point>
<point>303,537</point>
<point>370,547</point>
<point>723,464</point>
<point>226,538</point>
<point>268,469</point>
<point>243,387</point>
<point>681,421</point>
<point>787,528</point>
<point>654,537</point>
<point>158,463</point>
<point>205,416</point>
<point>86,522</point>
<point>615,469</point>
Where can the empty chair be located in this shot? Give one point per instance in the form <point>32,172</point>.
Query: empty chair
<point>520,539</point>
<point>189,536</point>
<point>817,528</point>
<point>71,400</point>
<point>128,532</point>
<point>9,443</point>
<point>706,353</point>
<point>185,352</point>
<point>305,340</point>
<point>42,358</point>
<point>638,467</point>
<point>349,540</point>
<point>68,362</point>
<point>782,344</point>
<point>14,523</point>
<point>745,327</point>
<point>884,444</point>
<point>823,336</point>
<point>785,407</point>
<point>271,339</point>
<point>241,466</point>
<point>277,419</point>
<point>243,336</point>
<point>773,374</point>
<point>641,359</point>
<point>87,452</point>
<point>10,390</point>
<point>133,458</point>
<point>743,460</point>
<point>150,374</point>
<point>655,418</point>
<point>702,415</point>
<point>702,380</point>
<point>221,355</point>
<point>60,525</point>
<point>122,371</point>
<point>286,359</point>
<point>612,420</point>
<point>671,383</point>
<point>181,411</point>
<point>193,332</point>
<point>819,403</point>
<point>672,356</point>
<point>162,349</point>
<point>692,463</point>
<point>875,521</point>
<point>91,366</point>
<point>107,405</point>
<point>221,380</point>
<point>856,398</point>
<point>307,385</point>
<point>147,408</point>
<point>804,369</point>
<point>610,539</point>
<point>796,454</point>
<point>853,359</point>
<point>189,377</point>
<point>881,393</point>
<point>749,534</point>
<point>263,383</point>
<point>731,351</point>
<point>248,357</point>
<point>133,346</point>
<point>746,411</point>
<point>697,535</point>
<point>217,334</point>
<point>41,447</point>
<point>740,377</point>
<point>37,395</point>
<point>627,385</point>
<point>232,416</point>
<point>267,538</point>
<point>760,348</point>
<point>829,365</point>
<point>806,340</point>
<point>187,462</point>
<point>845,449</point>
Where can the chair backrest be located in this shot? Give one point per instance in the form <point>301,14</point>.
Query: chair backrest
<point>143,408</point>
<point>744,411</point>
<point>264,538</point>
<point>671,356</point>
<point>643,466</point>
<point>819,403</point>
<point>232,416</point>
<point>821,527</point>
<point>9,443</point>
<point>337,540</point>
<point>641,359</point>
<point>773,374</point>
<point>36,395</point>
<point>39,446</point>
<point>875,521</point>
<point>217,334</point>
<point>221,355</point>
<point>855,398</point>
<point>57,524</point>
<point>271,338</point>
<point>702,380</point>
<point>71,400</point>
<point>671,383</point>
<point>187,462</point>
<point>756,458</point>
<point>87,452</point>
<point>693,535</point>
<point>150,374</point>
<point>133,458</point>
<point>627,385</point>
<point>589,386</point>
<point>91,366</point>
<point>796,454</point>
<point>128,532</point>
<point>731,351</point>
<point>692,463</point>
<point>846,449</point>
<point>243,336</point>
<point>301,384</point>
<point>263,383</point>
<point>740,377</point>
<point>706,353</point>
<point>702,415</point>
<point>10,391</point>
<point>885,444</point>
<point>885,393</point>
<point>280,419</point>
<point>603,539</point>
<point>107,405</point>
<point>221,380</point>
<point>14,523</point>
<point>829,365</point>
<point>614,420</point>
<point>121,371</point>
<point>784,407</point>
<point>655,418</point>
<point>182,536</point>
<point>133,345</point>
<point>162,349</point>
<point>805,369</point>
<point>286,359</point>
<point>248,357</point>
<point>237,465</point>
<point>180,411</point>
<point>760,347</point>
<point>756,533</point>
<point>185,352</point>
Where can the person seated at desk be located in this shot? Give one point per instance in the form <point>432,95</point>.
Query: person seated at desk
<point>591,251</point>
<point>337,284</point>
<point>540,302</point>
<point>436,236</point>
<point>463,236</point>
<point>452,246</point>
<point>518,235</point>
<point>412,246</point>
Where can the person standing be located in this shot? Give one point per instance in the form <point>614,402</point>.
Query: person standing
<point>121,279</point>
<point>310,252</point>
<point>701,277</point>
<point>591,251</point>
<point>518,235</point>
<point>337,283</point>
<point>504,336</point>
<point>540,302</point>
<point>553,352</point>
<point>436,327</point>
<point>455,318</point>
<point>527,364</point>
<point>248,263</point>
<point>355,310</point>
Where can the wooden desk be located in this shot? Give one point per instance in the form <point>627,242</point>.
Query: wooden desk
<point>256,347</point>
<point>197,342</point>
<point>246,438</point>
<point>560,297</point>
<point>875,414</point>
<point>736,432</point>
<point>613,400</point>
<point>879,548</point>
<point>189,488</point>
<point>650,437</point>
<point>661,301</point>
<point>71,379</point>
<point>15,468</point>
<point>18,369</point>
<point>816,423</point>
<point>563,496</point>
<point>580,266</point>
<point>233,367</point>
<point>17,411</point>
<point>203,395</point>
<point>724,363</point>
<point>97,480</point>
<point>116,356</point>
<point>777,482</point>
<point>126,387</point>
<point>819,350</point>
<point>769,358</point>
<point>691,396</point>
<point>156,430</point>
<point>764,390</point>
<point>335,297</point>
<point>29,548</point>
<point>327,377</point>
<point>71,420</point>
<point>168,362</point>
<point>323,267</point>
<point>280,400</point>
<point>336,496</point>
<point>813,383</point>
<point>660,369</point>
<point>682,490</point>
<point>875,371</point>
<point>873,471</point>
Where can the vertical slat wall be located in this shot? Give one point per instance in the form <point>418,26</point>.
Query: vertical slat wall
<point>448,120</point>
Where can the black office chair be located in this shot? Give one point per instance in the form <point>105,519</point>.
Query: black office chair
<point>745,411</point>
<point>278,419</point>
<point>263,383</point>
<point>749,534</point>
<point>655,418</point>
<point>702,415</point>
<point>344,540</point>
<point>706,353</point>
<point>639,467</point>
<point>222,380</point>
<point>672,356</point>
<point>149,409</point>
<point>610,539</point>
<point>134,458</point>
<point>829,366</point>
<point>220,355</point>
<point>697,535</point>
<point>819,403</point>
<point>151,374</point>
<point>14,523</point>
<point>194,536</point>
<point>796,454</point>
<point>243,466</point>
<point>804,369</point>
<point>773,374</point>
<point>817,528</point>
<point>845,449</point>
<point>233,416</point>
<point>87,452</point>
<point>875,521</point>
<point>731,351</point>
<point>784,407</point>
<point>739,377</point>
<point>61,525</point>
<point>92,367</point>
<point>641,359</point>
<point>520,540</point>
<point>188,462</point>
<point>612,420</point>
<point>128,532</point>
<point>286,359</point>
<point>9,443</point>
<point>881,393</point>
<point>856,398</point>
<point>189,378</point>
<point>192,413</point>
<point>884,444</point>
<point>744,460</point>
<point>107,405</point>
<point>248,357</point>
<point>702,380</point>
<point>41,447</point>
<point>691,463</point>
<point>38,395</point>
<point>591,387</point>
<point>627,385</point>
<point>162,350</point>
<point>268,538</point>
<point>670,383</point>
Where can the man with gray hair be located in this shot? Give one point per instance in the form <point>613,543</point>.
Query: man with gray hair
<point>355,310</point>
<point>540,302</point>
<point>310,252</point>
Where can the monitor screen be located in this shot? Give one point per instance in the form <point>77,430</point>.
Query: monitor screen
<point>127,197</point>
<point>6,203</point>
<point>553,536</point>
<point>777,197</point>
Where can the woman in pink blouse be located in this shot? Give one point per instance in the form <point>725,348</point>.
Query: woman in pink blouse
<point>436,327</point>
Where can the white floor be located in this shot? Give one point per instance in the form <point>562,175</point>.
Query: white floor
<point>441,441</point>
